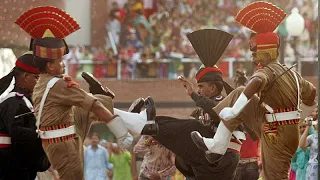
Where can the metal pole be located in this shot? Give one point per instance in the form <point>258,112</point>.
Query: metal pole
<point>318,83</point>
<point>282,49</point>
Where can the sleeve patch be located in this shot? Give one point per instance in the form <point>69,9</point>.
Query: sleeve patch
<point>70,82</point>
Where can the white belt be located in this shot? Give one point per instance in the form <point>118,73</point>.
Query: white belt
<point>5,140</point>
<point>57,133</point>
<point>239,135</point>
<point>283,116</point>
<point>248,160</point>
<point>234,146</point>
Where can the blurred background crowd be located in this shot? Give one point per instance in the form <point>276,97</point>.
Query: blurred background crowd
<point>147,38</point>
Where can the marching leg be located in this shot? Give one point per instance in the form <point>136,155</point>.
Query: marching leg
<point>118,128</point>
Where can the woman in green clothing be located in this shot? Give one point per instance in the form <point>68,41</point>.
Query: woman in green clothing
<point>300,160</point>
<point>121,163</point>
<point>88,57</point>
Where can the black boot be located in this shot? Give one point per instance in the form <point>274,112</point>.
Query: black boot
<point>151,109</point>
<point>211,157</point>
<point>136,106</point>
<point>95,87</point>
<point>150,129</point>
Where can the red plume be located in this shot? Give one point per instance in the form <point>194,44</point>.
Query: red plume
<point>37,20</point>
<point>261,17</point>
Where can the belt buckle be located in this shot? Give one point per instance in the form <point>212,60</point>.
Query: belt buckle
<point>38,131</point>
<point>244,161</point>
<point>274,117</point>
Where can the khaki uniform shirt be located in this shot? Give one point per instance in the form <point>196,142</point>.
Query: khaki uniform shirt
<point>59,102</point>
<point>283,93</point>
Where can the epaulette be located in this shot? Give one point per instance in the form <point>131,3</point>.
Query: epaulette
<point>19,95</point>
<point>70,82</point>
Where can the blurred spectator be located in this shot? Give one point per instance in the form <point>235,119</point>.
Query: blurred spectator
<point>180,70</point>
<point>80,51</point>
<point>193,71</point>
<point>96,160</point>
<point>114,25</point>
<point>121,160</point>
<point>178,176</point>
<point>72,59</point>
<point>125,70</point>
<point>111,64</point>
<point>136,159</point>
<point>101,59</point>
<point>300,160</point>
<point>248,168</point>
<point>142,67</point>
<point>87,56</point>
<point>312,142</point>
<point>158,162</point>
<point>133,41</point>
<point>153,67</point>
<point>150,7</point>
<point>141,24</point>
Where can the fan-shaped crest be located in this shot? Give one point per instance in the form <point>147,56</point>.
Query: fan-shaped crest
<point>37,20</point>
<point>209,44</point>
<point>261,17</point>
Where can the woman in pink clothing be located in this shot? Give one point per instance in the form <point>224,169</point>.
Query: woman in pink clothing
<point>158,162</point>
<point>101,59</point>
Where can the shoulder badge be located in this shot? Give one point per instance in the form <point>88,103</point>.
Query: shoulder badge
<point>70,82</point>
<point>19,95</point>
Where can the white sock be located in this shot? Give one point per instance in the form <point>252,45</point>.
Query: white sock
<point>220,142</point>
<point>143,114</point>
<point>133,121</point>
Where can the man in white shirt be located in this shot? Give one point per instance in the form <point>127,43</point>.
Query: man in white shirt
<point>96,160</point>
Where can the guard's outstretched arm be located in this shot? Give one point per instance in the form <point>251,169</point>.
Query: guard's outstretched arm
<point>204,102</point>
<point>252,87</point>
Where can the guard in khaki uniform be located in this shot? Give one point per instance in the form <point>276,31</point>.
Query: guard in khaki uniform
<point>274,113</point>
<point>83,120</point>
<point>55,95</point>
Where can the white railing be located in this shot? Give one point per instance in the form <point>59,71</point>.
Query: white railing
<point>231,61</point>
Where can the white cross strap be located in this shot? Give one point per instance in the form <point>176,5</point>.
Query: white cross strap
<point>26,100</point>
<point>50,84</point>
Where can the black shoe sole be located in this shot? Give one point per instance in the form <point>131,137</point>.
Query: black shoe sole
<point>198,141</point>
<point>136,106</point>
<point>91,80</point>
<point>95,86</point>
<point>151,109</point>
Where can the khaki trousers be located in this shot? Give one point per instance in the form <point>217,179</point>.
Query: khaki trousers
<point>276,156</point>
<point>67,157</point>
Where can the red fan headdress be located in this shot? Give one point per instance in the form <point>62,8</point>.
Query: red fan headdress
<point>262,18</point>
<point>48,26</point>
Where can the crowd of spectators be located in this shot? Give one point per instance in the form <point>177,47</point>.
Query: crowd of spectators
<point>150,36</point>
